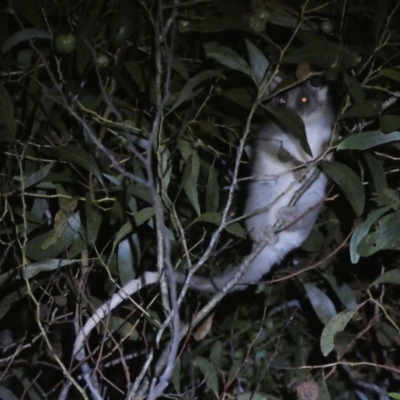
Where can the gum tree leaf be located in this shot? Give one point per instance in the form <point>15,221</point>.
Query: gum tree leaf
<point>240,96</point>
<point>377,172</point>
<point>125,261</point>
<point>343,291</point>
<point>36,177</point>
<point>385,237</point>
<point>76,156</point>
<point>187,92</point>
<point>348,181</point>
<point>8,124</point>
<point>210,373</point>
<point>227,57</point>
<point>258,62</point>
<point>143,215</point>
<point>176,376</point>
<point>355,89</point>
<point>216,352</point>
<point>214,25</point>
<point>287,19</point>
<point>212,193</point>
<point>389,123</point>
<point>61,219</point>
<point>69,235</point>
<point>362,229</point>
<point>24,34</point>
<point>368,108</point>
<point>189,180</point>
<point>47,265</point>
<point>320,302</point>
<point>125,230</point>
<point>93,220</point>
<point>392,276</point>
<point>335,325</point>
<point>215,218</point>
<point>366,140</point>
<point>256,396</point>
<point>291,123</point>
<point>323,54</point>
<point>7,393</point>
<point>390,73</point>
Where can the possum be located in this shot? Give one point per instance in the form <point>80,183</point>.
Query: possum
<point>280,167</point>
<point>278,158</point>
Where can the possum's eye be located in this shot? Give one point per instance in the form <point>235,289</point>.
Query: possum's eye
<point>303,99</point>
<point>281,101</point>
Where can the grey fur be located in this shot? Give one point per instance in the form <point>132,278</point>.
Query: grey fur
<point>278,157</point>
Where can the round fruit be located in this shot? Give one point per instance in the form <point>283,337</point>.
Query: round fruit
<point>65,43</point>
<point>326,26</point>
<point>102,61</point>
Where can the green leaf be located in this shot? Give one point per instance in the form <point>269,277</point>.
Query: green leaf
<point>368,108</point>
<point>395,396</point>
<point>323,389</point>
<point>322,54</point>
<point>241,96</point>
<point>75,155</point>
<point>214,25</point>
<point>355,89</point>
<point>366,140</point>
<point>216,352</point>
<point>143,215</point>
<point>48,265</point>
<point>256,396</point>
<point>377,173</point>
<point>235,369</point>
<point>93,220</point>
<point>187,92</point>
<point>291,123</point>
<point>8,124</point>
<point>189,180</point>
<point>287,19</point>
<point>320,302</point>
<point>17,295</point>
<point>20,36</point>
<point>7,394</point>
<point>216,217</point>
<point>227,57</point>
<point>348,181</point>
<point>212,193</point>
<point>335,325</point>
<point>258,62</point>
<point>385,237</point>
<point>389,123</point>
<point>125,229</point>
<point>343,291</point>
<point>125,262</point>
<point>62,218</point>
<point>210,373</point>
<point>28,181</point>
<point>390,73</point>
<point>176,376</point>
<point>392,276</point>
<point>362,230</point>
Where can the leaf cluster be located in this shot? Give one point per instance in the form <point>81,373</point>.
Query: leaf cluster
<point>126,131</point>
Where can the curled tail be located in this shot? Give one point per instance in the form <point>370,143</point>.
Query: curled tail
<point>260,266</point>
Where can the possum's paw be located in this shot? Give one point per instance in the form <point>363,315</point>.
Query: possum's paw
<point>264,233</point>
<point>287,215</point>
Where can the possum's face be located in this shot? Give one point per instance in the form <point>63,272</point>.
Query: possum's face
<point>309,100</point>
